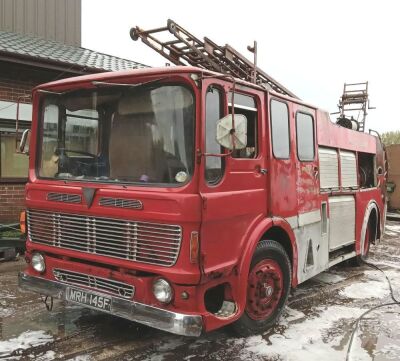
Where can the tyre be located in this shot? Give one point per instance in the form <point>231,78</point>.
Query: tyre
<point>268,287</point>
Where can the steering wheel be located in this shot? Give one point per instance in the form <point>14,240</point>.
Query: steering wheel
<point>75,166</point>
<point>91,155</point>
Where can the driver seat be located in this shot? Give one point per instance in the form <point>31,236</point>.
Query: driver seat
<point>134,154</point>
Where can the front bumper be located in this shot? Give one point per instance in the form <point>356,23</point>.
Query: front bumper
<point>178,323</point>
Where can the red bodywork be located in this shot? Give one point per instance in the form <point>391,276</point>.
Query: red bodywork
<point>231,217</point>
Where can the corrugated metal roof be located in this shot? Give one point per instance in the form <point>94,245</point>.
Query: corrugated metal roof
<point>47,50</point>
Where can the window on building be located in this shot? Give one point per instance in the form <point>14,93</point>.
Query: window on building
<point>246,105</point>
<point>305,136</point>
<point>12,165</point>
<point>214,166</point>
<point>280,129</point>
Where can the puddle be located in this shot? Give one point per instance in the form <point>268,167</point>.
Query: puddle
<point>329,278</point>
<point>25,340</point>
<point>379,334</point>
<point>392,228</point>
<point>59,323</point>
<point>362,290</point>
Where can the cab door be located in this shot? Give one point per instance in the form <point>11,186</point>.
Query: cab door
<point>232,187</point>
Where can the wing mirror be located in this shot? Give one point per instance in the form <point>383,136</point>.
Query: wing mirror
<point>24,143</point>
<point>232,135</point>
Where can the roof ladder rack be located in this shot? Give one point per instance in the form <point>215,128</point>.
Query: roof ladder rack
<point>183,48</point>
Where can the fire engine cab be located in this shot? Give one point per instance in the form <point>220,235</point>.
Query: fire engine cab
<point>188,198</point>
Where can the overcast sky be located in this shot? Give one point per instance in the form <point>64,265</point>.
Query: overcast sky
<point>311,47</point>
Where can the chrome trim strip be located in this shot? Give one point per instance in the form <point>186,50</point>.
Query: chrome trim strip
<point>178,323</point>
<point>244,107</point>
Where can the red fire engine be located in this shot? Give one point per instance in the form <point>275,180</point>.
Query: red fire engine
<point>188,198</point>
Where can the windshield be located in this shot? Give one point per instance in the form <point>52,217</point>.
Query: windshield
<point>137,134</point>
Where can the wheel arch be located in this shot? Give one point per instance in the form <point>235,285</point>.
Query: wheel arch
<point>280,231</point>
<point>371,213</point>
<point>279,235</point>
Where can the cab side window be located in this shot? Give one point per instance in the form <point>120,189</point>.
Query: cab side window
<point>246,105</point>
<point>214,166</point>
<point>280,129</point>
<point>305,136</point>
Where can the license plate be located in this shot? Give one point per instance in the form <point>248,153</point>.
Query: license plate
<point>90,299</point>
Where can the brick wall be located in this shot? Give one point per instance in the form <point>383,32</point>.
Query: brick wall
<point>18,80</point>
<point>393,154</point>
<point>15,81</point>
<point>12,195</point>
<point>11,90</point>
<point>12,202</point>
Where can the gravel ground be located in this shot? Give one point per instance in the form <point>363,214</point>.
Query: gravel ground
<point>316,325</point>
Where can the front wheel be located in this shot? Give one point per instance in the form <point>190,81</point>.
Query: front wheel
<point>268,287</point>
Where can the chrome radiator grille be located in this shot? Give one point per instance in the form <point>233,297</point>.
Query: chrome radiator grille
<point>125,239</point>
<point>98,283</point>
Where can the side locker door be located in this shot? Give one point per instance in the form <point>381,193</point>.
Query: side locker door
<point>312,249</point>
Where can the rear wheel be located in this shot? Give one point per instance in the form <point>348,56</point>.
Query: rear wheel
<point>268,287</point>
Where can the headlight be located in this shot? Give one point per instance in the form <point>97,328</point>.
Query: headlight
<point>38,263</point>
<point>162,290</point>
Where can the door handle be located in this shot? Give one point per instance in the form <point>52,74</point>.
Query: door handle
<point>260,170</point>
<point>316,172</point>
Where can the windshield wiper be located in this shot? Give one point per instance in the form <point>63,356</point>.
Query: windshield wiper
<point>128,85</point>
<point>101,84</point>
<point>50,92</point>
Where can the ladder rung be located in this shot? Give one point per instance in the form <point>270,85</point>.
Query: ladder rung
<point>172,42</point>
<point>207,55</point>
<point>189,50</point>
<point>349,110</point>
<point>347,84</point>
